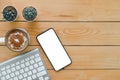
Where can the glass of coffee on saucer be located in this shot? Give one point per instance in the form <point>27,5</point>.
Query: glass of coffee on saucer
<point>16,39</point>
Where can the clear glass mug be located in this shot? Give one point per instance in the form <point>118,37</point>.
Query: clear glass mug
<point>16,39</point>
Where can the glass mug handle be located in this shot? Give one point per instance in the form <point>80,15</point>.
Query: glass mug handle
<point>2,39</point>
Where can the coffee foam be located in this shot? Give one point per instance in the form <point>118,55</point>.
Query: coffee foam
<point>17,40</point>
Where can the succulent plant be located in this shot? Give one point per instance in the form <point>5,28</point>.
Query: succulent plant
<point>29,13</point>
<point>9,13</point>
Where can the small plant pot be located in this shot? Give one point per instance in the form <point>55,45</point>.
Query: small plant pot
<point>9,13</point>
<point>29,13</point>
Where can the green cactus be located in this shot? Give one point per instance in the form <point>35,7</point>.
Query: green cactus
<point>9,13</point>
<point>29,13</point>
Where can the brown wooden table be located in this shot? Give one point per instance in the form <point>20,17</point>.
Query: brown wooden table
<point>89,30</point>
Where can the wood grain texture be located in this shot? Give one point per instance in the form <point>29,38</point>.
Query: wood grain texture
<point>71,33</point>
<point>68,10</point>
<point>88,29</point>
<point>85,75</point>
<point>83,57</point>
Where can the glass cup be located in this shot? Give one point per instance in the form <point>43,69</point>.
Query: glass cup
<point>16,39</point>
<point>29,13</point>
<point>9,13</point>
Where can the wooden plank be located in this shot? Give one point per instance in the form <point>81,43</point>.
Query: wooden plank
<point>69,10</point>
<point>94,57</point>
<point>71,33</point>
<point>85,75</point>
<point>83,57</point>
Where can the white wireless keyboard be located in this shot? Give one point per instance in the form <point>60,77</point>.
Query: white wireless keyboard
<point>28,66</point>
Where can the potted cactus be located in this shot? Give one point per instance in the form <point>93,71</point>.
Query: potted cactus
<point>9,13</point>
<point>29,13</point>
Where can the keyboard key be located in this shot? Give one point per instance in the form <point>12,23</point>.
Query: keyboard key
<point>17,63</point>
<point>13,69</point>
<point>37,55</point>
<point>40,68</point>
<point>27,59</point>
<point>27,63</point>
<point>7,67</point>
<point>25,75</point>
<point>12,74</point>
<point>37,59</point>
<point>15,78</point>
<point>31,67</point>
<point>26,69</point>
<point>29,78</point>
<point>31,57</point>
<point>34,71</point>
<point>38,75</point>
<point>35,65</point>
<point>34,76</point>
<point>43,73</point>
<point>29,73</point>
<point>8,71</point>
<point>41,78</point>
<point>40,63</point>
<point>12,65</point>
<point>32,61</point>
<point>21,71</point>
<point>8,76</point>
<point>17,67</point>
<point>22,61</point>
<point>20,77</point>
<point>22,65</point>
<point>46,78</point>
<point>17,73</point>
<point>4,73</point>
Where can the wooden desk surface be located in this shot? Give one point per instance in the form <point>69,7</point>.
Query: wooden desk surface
<point>89,30</point>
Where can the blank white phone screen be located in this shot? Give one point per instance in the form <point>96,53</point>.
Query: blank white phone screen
<point>54,49</point>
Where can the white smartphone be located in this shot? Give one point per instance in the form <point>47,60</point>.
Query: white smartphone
<point>54,49</point>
